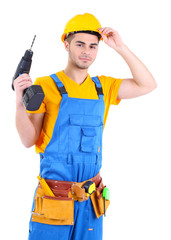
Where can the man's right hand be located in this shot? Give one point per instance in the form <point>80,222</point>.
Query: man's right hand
<point>28,125</point>
<point>20,84</point>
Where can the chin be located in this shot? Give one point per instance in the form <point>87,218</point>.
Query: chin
<point>84,66</point>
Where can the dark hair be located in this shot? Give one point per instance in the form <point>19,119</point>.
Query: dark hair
<point>68,38</point>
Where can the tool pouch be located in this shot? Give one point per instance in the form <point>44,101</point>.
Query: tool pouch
<point>53,210</point>
<point>98,201</point>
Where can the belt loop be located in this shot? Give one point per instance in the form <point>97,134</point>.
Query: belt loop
<point>70,159</point>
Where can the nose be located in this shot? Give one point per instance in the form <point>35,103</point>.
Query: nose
<point>86,50</point>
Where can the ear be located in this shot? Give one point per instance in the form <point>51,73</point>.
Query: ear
<point>66,44</point>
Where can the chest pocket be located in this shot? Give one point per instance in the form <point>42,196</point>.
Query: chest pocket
<point>85,133</point>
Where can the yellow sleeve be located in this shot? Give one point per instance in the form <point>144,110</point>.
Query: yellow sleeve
<point>110,88</point>
<point>42,108</point>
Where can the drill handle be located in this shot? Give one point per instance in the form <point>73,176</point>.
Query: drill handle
<point>23,66</point>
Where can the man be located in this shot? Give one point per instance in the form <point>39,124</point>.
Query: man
<point>67,131</point>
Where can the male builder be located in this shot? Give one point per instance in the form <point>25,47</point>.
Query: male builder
<point>67,132</point>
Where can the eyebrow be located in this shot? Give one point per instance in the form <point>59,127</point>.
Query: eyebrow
<point>92,44</point>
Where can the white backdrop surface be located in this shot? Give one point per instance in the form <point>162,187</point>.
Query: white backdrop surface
<point>137,136</point>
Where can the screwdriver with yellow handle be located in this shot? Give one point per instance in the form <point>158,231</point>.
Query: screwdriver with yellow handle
<point>45,187</point>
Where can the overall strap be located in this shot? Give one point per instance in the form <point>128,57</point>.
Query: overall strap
<point>59,85</point>
<point>63,91</point>
<point>98,87</point>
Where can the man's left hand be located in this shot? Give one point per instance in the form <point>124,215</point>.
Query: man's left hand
<point>111,37</point>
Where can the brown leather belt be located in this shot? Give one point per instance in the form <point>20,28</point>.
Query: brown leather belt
<point>72,190</point>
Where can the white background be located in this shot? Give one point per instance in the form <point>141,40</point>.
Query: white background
<point>137,136</point>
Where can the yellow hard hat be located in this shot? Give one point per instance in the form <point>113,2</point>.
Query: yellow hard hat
<point>81,22</point>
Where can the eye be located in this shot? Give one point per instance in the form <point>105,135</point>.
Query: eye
<point>79,45</point>
<point>93,47</point>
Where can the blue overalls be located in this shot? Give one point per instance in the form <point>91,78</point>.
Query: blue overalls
<point>74,153</point>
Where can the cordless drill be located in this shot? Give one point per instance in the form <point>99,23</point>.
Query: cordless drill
<point>34,95</point>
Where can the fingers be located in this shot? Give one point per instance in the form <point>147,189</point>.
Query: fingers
<point>22,82</point>
<point>107,31</point>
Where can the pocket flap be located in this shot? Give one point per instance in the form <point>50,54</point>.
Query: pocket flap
<point>89,132</point>
<point>85,120</point>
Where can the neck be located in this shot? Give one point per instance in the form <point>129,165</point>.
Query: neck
<point>76,74</point>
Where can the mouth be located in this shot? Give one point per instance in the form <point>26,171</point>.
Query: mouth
<point>85,59</point>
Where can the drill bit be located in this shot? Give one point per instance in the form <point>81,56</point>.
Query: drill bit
<point>33,42</point>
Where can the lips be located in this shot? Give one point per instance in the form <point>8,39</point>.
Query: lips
<point>84,58</point>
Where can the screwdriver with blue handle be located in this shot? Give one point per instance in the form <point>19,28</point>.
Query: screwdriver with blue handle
<point>34,95</point>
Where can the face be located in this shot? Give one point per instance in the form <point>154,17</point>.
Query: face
<point>82,50</point>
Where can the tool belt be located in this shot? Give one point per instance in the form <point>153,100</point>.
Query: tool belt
<point>59,208</point>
